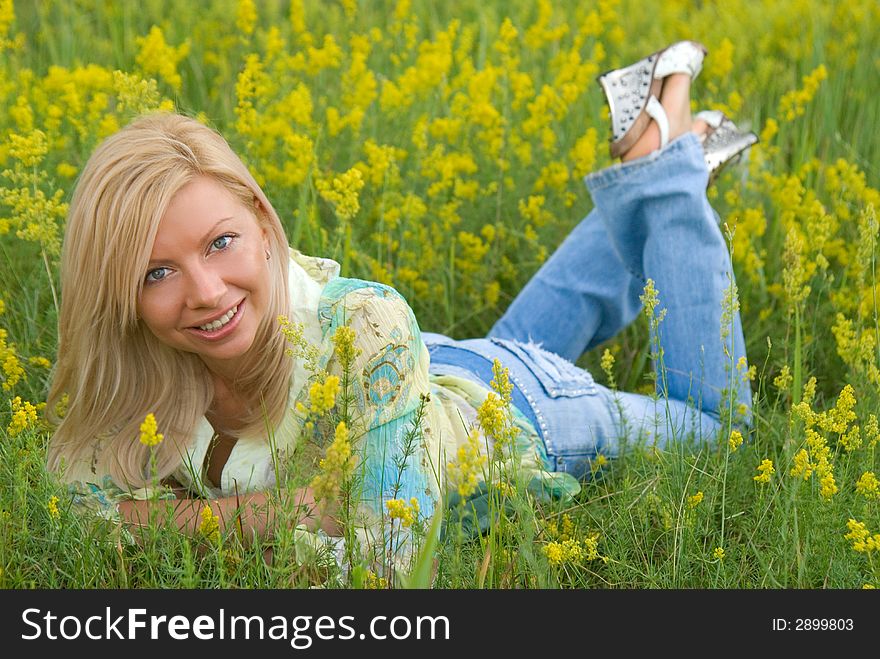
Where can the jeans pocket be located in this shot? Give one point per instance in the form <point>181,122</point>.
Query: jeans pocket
<point>558,376</point>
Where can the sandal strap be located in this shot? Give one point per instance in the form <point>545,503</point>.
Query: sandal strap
<point>658,114</point>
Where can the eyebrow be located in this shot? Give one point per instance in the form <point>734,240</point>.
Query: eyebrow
<point>205,238</point>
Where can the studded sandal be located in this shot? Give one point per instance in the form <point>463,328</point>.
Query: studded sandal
<point>723,143</point>
<point>633,92</point>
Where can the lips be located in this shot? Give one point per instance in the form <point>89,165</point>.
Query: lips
<point>221,325</point>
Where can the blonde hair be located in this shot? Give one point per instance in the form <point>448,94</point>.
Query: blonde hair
<point>111,366</point>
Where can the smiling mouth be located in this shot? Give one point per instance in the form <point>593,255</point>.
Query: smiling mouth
<point>220,322</point>
<point>218,325</point>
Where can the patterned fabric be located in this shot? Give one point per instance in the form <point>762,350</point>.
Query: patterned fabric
<point>392,376</point>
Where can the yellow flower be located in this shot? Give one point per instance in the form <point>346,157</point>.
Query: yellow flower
<point>24,415</point>
<point>406,513</point>
<point>862,539</point>
<point>566,551</point>
<point>157,57</point>
<point>149,436</point>
<point>802,465</point>
<point>598,462</point>
<point>52,507</point>
<point>345,349</point>
<point>792,104</point>
<point>246,16</point>
<point>784,379</point>
<point>607,364</point>
<point>718,553</point>
<point>42,362</point>
<point>209,526</point>
<point>868,485</point>
<point>872,430</point>
<point>735,440</point>
<point>374,582</point>
<point>342,192</point>
<point>464,474</point>
<point>323,396</point>
<point>695,500</point>
<point>336,467</point>
<point>766,471</point>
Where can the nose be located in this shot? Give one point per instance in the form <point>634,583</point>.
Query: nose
<point>205,287</point>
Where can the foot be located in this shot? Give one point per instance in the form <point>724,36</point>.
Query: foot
<point>675,99</point>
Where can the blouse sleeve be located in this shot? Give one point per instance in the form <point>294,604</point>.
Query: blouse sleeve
<point>101,496</point>
<point>389,388</point>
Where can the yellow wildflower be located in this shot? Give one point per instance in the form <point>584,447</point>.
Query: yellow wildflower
<point>735,440</point>
<point>342,192</point>
<point>52,507</point>
<point>861,538</point>
<point>246,16</point>
<point>766,470</point>
<point>792,104</point>
<point>695,499</point>
<point>607,364</point>
<point>464,474</point>
<point>24,414</point>
<point>157,57</point>
<point>374,582</point>
<point>336,467</point>
<point>149,436</point>
<point>42,362</point>
<point>872,430</point>
<point>566,551</point>
<point>598,462</point>
<point>851,440</point>
<point>718,553</point>
<point>209,525</point>
<point>837,418</point>
<point>784,379</point>
<point>345,349</point>
<point>407,513</point>
<point>323,396</point>
<point>868,485</point>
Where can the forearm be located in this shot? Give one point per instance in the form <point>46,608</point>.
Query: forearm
<point>253,516</point>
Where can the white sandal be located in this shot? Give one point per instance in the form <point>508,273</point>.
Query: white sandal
<point>723,143</point>
<point>633,92</point>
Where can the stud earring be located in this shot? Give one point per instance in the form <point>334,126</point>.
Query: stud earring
<point>268,255</point>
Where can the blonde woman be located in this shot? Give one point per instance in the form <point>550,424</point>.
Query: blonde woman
<point>176,269</point>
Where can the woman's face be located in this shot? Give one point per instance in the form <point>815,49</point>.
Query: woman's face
<point>206,288</point>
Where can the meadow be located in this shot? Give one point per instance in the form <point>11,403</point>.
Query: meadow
<point>439,148</point>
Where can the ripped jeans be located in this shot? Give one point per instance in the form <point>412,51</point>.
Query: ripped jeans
<point>651,220</point>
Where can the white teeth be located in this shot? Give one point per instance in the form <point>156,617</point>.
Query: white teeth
<point>220,322</point>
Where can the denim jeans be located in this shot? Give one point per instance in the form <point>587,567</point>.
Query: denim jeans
<point>651,220</point>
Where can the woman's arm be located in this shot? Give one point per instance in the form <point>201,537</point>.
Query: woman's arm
<point>253,514</point>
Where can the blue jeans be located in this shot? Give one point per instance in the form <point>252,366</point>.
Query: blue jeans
<point>651,220</point>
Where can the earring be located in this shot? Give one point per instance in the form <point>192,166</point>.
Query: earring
<point>268,255</point>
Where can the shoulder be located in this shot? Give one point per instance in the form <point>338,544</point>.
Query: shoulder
<point>368,306</point>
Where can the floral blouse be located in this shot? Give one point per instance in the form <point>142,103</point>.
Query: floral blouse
<point>392,377</point>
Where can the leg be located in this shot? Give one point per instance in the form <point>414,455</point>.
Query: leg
<point>581,296</point>
<point>661,224</point>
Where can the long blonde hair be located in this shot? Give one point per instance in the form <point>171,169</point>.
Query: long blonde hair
<point>110,365</point>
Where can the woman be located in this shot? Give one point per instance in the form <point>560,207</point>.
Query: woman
<point>176,268</point>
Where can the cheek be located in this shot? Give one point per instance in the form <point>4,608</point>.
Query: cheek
<point>155,314</point>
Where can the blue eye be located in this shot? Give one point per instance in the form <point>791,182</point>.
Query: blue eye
<point>156,275</point>
<point>222,242</point>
